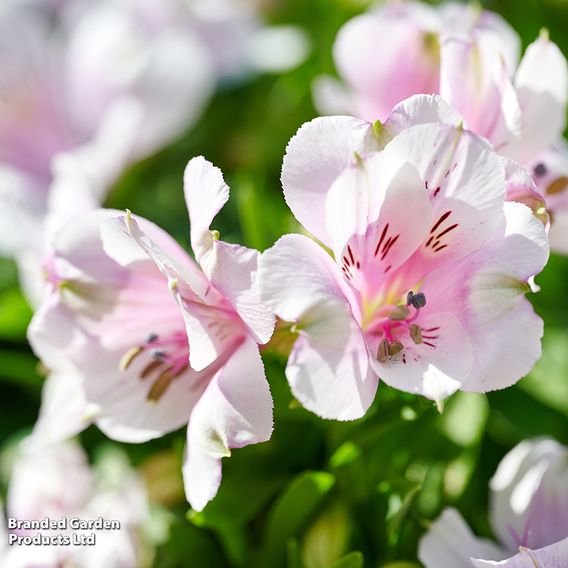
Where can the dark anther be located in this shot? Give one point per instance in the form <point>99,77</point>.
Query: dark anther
<point>151,338</point>
<point>417,300</point>
<point>540,170</point>
<point>158,354</point>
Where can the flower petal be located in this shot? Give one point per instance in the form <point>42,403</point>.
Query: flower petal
<point>205,193</point>
<point>553,556</point>
<point>328,368</point>
<point>234,411</point>
<point>420,109</point>
<point>234,274</point>
<point>437,367</point>
<point>449,543</point>
<point>378,214</point>
<point>315,156</point>
<point>475,80</point>
<point>486,291</point>
<point>529,501</point>
<point>388,55</point>
<point>125,410</point>
<point>542,87</point>
<point>453,164</point>
<point>64,410</point>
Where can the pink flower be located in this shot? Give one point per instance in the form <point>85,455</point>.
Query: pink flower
<point>156,340</point>
<point>470,58</point>
<point>425,286</point>
<point>529,514</point>
<point>393,52</point>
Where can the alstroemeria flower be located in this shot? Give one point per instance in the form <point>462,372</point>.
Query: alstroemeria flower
<point>425,286</point>
<point>393,52</point>
<point>155,353</point>
<point>519,107</point>
<point>58,483</point>
<point>529,514</point>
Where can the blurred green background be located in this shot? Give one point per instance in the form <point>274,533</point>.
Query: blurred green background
<point>321,493</point>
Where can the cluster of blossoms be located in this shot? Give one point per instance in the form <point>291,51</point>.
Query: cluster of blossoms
<point>529,514</point>
<point>471,58</point>
<point>427,231</point>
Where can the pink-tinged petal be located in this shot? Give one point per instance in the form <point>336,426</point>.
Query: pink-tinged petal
<point>234,411</point>
<point>205,193</point>
<point>542,87</point>
<point>378,214</point>
<point>453,164</point>
<point>468,19</point>
<point>435,368</point>
<point>127,410</point>
<point>387,56</point>
<point>486,291</point>
<point>449,543</point>
<point>529,500</point>
<point>553,556</point>
<point>53,335</point>
<point>211,322</point>
<point>234,274</point>
<point>328,368</point>
<point>295,275</point>
<point>64,410</point>
<point>475,80</point>
<point>420,109</point>
<point>315,156</point>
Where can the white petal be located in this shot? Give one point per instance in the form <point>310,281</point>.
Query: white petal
<point>553,556</point>
<point>234,411</point>
<point>449,543</point>
<point>64,410</point>
<point>234,274</point>
<point>542,86</point>
<point>435,369</point>
<point>125,412</point>
<point>315,156</point>
<point>328,369</point>
<point>421,109</point>
<point>205,193</point>
<point>529,501</point>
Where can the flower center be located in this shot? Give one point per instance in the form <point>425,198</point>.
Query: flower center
<point>395,326</point>
<point>165,358</point>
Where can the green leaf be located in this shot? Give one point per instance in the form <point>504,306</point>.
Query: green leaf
<point>351,560</point>
<point>292,511</point>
